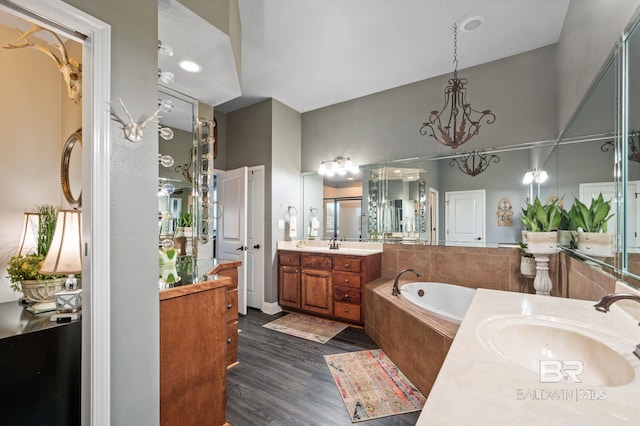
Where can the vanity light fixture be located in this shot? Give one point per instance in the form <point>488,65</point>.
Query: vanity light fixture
<point>166,105</point>
<point>165,77</point>
<point>474,162</point>
<point>165,160</point>
<point>454,125</point>
<point>165,133</point>
<point>534,176</point>
<point>340,166</point>
<point>164,49</point>
<point>189,66</point>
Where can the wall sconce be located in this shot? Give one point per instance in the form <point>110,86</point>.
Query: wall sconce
<point>165,77</point>
<point>164,49</point>
<point>340,166</point>
<point>65,257</point>
<point>534,176</point>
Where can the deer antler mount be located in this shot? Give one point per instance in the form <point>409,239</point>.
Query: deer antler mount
<point>135,131</point>
<point>70,68</point>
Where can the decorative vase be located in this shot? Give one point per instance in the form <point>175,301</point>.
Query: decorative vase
<point>42,293</point>
<point>597,245</point>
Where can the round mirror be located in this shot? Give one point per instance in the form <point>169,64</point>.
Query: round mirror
<point>71,170</point>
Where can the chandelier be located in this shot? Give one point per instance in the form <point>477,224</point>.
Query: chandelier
<point>454,124</point>
<point>473,163</point>
<point>340,166</point>
<point>633,142</point>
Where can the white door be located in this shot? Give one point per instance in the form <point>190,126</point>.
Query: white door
<point>465,217</point>
<point>255,238</point>
<point>232,226</point>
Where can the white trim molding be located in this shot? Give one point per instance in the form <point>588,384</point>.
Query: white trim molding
<point>271,308</point>
<point>96,342</point>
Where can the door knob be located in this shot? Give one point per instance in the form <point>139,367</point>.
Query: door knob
<point>478,239</point>
<point>257,246</point>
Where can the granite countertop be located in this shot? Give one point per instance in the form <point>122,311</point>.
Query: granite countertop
<point>478,386</point>
<point>349,248</point>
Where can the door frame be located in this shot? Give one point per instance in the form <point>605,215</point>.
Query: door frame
<point>258,267</point>
<point>96,232</point>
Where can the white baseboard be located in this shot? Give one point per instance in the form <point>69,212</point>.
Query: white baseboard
<point>271,308</point>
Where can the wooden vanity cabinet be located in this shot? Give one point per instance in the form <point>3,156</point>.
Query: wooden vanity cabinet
<point>230,269</point>
<point>330,285</point>
<point>193,371</point>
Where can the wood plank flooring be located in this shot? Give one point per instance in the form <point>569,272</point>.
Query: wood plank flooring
<point>284,380</point>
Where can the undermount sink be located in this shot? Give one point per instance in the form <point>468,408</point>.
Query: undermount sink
<point>565,349</point>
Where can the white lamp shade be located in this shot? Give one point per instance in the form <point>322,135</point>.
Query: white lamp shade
<point>29,238</point>
<point>65,253</point>
<point>528,178</point>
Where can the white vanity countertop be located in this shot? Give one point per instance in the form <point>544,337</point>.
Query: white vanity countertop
<point>352,248</point>
<point>477,386</point>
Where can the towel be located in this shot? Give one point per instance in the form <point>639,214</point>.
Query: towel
<point>292,227</point>
<point>315,224</point>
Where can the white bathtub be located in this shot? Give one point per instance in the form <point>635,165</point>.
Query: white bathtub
<point>446,301</point>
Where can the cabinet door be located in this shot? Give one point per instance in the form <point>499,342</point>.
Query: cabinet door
<point>289,286</point>
<point>317,291</point>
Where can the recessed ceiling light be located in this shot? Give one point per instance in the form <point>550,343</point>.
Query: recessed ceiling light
<point>189,66</point>
<point>397,171</point>
<point>472,23</point>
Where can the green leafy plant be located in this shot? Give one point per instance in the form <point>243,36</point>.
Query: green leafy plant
<point>185,220</point>
<point>523,248</point>
<point>593,218</point>
<point>539,218</point>
<point>27,267</point>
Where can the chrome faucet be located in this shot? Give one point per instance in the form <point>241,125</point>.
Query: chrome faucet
<point>396,290</point>
<point>608,300</point>
<point>333,244</point>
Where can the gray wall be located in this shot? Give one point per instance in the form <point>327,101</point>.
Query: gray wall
<point>588,35</point>
<point>268,133</point>
<point>520,90</point>
<point>133,185</point>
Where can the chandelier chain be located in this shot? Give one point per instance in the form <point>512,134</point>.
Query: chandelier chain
<point>455,50</point>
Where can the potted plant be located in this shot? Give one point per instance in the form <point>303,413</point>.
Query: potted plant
<point>24,270</point>
<point>185,223</point>
<point>541,223</point>
<point>567,232</point>
<point>591,224</point>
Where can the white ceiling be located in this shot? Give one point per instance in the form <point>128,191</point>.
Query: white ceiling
<point>314,53</point>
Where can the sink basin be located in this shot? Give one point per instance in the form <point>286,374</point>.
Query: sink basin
<point>575,353</point>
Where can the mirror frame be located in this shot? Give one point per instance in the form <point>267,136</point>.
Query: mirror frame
<point>70,143</point>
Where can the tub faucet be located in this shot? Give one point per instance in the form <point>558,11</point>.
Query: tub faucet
<point>396,290</point>
<point>608,300</point>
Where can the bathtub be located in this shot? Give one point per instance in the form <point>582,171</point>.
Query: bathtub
<point>446,301</point>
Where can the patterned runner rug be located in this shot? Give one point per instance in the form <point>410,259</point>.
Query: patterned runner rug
<point>371,385</point>
<point>307,327</point>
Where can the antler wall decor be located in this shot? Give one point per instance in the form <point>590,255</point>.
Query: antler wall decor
<point>70,68</point>
<point>135,131</point>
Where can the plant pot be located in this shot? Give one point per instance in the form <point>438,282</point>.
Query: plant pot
<point>528,266</point>
<point>42,292</point>
<point>595,244</point>
<point>542,242</point>
<point>565,237</point>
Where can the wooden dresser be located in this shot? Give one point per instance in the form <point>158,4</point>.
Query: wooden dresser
<point>326,284</point>
<point>195,322</point>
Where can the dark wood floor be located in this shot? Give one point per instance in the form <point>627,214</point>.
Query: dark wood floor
<point>284,380</point>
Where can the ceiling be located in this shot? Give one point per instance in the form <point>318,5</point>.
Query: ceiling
<point>314,53</point>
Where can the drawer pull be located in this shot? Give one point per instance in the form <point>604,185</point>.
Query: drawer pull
<point>346,265</point>
<point>346,280</point>
<point>346,311</point>
<point>229,306</point>
<point>229,341</point>
<point>346,296</point>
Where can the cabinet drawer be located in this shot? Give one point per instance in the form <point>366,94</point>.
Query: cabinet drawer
<point>231,352</point>
<point>289,259</point>
<point>346,294</point>
<point>351,264</point>
<point>347,279</point>
<point>316,261</point>
<point>232,305</point>
<point>346,311</point>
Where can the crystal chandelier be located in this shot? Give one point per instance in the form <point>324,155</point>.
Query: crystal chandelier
<point>454,124</point>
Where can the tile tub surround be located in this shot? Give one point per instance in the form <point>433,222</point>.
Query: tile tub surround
<point>476,267</point>
<point>414,340</point>
<point>488,386</point>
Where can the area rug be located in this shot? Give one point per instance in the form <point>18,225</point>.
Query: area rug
<point>307,327</point>
<point>371,385</point>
